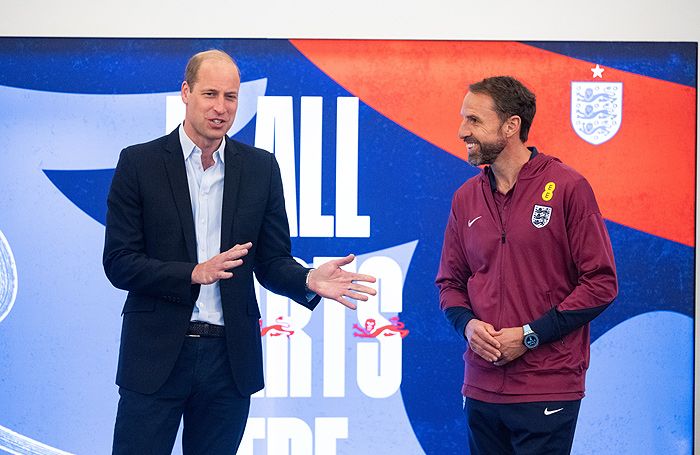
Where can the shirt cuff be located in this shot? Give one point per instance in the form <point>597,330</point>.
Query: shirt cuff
<point>459,317</point>
<point>555,325</point>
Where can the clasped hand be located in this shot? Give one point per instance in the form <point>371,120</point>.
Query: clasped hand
<point>496,346</point>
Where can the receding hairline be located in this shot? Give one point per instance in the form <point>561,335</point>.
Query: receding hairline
<point>196,61</point>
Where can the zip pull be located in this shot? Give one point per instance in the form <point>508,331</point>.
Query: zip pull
<point>503,236</point>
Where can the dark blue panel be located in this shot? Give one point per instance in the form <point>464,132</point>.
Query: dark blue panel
<point>156,65</point>
<point>654,275</point>
<point>86,189</point>
<point>673,62</point>
<point>111,66</point>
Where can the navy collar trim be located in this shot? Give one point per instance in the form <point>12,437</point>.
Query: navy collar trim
<point>492,178</point>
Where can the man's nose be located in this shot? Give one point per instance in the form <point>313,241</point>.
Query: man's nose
<point>464,130</point>
<point>220,105</point>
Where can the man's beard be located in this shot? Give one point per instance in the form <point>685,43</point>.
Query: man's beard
<point>487,151</point>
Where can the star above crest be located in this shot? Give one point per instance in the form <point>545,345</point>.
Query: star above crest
<point>597,71</point>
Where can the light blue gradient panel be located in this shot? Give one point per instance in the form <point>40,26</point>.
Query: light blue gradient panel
<point>379,423</point>
<point>88,189</point>
<point>58,344</point>
<point>647,356</point>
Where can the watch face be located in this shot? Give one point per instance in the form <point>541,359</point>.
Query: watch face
<point>531,341</point>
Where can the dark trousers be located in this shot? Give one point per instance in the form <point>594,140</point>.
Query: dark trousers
<point>545,427</point>
<point>200,390</point>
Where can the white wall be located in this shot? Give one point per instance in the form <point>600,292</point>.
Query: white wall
<point>598,20</point>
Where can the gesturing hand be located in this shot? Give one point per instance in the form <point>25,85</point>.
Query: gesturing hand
<point>332,282</point>
<point>216,268</point>
<point>482,339</point>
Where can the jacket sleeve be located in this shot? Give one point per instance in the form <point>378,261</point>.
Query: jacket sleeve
<point>124,259</point>
<point>275,267</point>
<point>453,274</point>
<point>594,263</point>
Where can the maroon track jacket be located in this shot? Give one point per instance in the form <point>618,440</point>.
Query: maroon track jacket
<point>549,250</point>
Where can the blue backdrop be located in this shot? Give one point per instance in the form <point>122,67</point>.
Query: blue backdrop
<point>68,106</point>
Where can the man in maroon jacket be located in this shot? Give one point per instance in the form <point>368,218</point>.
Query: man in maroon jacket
<point>526,265</point>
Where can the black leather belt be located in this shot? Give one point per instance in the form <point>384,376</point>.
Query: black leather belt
<point>202,329</point>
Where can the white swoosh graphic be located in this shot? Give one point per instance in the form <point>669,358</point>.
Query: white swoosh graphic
<point>470,222</point>
<point>8,278</point>
<point>17,444</point>
<point>547,412</point>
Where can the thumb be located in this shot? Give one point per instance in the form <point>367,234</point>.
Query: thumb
<point>345,261</point>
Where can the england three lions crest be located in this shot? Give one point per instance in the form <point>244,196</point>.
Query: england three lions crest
<point>541,215</point>
<point>596,110</point>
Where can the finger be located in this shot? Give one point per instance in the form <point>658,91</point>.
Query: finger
<point>361,277</point>
<point>356,296</point>
<point>345,261</point>
<point>227,265</point>
<point>487,348</point>
<point>224,275</point>
<point>502,360</point>
<point>363,289</point>
<point>493,354</point>
<point>487,338</point>
<point>238,246</point>
<point>488,333</point>
<point>347,303</point>
<point>488,328</point>
<point>488,356</point>
<point>235,254</point>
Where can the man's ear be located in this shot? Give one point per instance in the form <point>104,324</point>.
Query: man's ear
<point>185,92</point>
<point>511,126</point>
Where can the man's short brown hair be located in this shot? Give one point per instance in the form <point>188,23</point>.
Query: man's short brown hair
<point>510,97</point>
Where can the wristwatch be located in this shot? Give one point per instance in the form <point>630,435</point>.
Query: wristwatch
<point>530,338</point>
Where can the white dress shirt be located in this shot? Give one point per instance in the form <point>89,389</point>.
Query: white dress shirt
<point>207,195</point>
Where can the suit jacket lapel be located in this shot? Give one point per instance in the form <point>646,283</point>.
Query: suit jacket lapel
<point>232,178</point>
<point>175,166</point>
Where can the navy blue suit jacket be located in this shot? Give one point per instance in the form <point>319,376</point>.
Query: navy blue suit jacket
<point>150,251</point>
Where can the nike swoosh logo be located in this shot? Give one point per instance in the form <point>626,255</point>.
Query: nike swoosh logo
<point>547,412</point>
<point>470,222</point>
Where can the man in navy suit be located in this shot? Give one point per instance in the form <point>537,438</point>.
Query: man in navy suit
<point>191,216</point>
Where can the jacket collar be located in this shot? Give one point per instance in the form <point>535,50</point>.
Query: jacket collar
<point>177,175</point>
<point>492,178</point>
<point>232,179</point>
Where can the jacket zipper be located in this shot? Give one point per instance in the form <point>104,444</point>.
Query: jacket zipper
<point>501,280</point>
